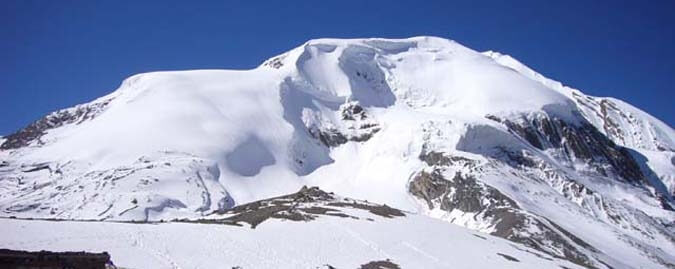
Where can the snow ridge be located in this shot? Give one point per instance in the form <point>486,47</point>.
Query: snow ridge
<point>423,124</point>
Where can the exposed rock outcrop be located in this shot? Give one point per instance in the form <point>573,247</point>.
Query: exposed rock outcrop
<point>308,204</point>
<point>34,131</point>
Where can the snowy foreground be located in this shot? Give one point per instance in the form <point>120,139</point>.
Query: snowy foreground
<point>306,229</point>
<point>424,124</point>
<point>410,242</point>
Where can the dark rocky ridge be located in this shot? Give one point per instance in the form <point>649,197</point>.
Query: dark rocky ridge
<point>609,113</point>
<point>386,264</point>
<point>305,205</point>
<point>538,139</point>
<point>464,193</point>
<point>582,142</point>
<point>276,62</point>
<point>34,131</point>
<point>11,259</point>
<point>361,132</point>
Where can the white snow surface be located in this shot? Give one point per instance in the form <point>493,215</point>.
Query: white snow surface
<point>186,143</point>
<point>212,114</point>
<point>411,242</point>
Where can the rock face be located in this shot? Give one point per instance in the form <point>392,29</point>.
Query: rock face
<point>560,156</point>
<point>47,259</point>
<point>354,125</point>
<point>497,212</point>
<point>34,131</point>
<point>623,125</point>
<point>305,205</point>
<point>421,124</point>
<point>583,143</point>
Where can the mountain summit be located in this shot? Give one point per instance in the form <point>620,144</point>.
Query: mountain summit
<point>422,124</point>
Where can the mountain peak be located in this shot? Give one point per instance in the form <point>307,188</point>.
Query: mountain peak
<point>422,124</point>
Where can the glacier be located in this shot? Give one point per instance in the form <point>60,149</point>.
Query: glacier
<point>421,124</point>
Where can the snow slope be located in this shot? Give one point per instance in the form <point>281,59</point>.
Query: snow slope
<point>216,114</point>
<point>349,238</point>
<point>423,124</point>
<point>419,243</point>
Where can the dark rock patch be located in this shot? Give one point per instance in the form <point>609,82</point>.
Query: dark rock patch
<point>380,210</point>
<point>509,258</point>
<point>329,137</point>
<point>360,130</point>
<point>466,194</point>
<point>34,131</point>
<point>37,168</point>
<point>664,202</point>
<point>429,187</point>
<point>432,158</point>
<point>353,112</point>
<point>305,205</point>
<point>332,137</point>
<point>47,259</point>
<point>481,237</point>
<point>577,141</point>
<point>386,264</point>
<point>469,195</point>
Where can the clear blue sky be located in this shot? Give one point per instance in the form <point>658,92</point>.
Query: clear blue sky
<point>55,54</point>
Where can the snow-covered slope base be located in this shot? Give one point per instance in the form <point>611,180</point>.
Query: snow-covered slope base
<point>421,124</point>
<point>340,243</point>
<point>328,232</point>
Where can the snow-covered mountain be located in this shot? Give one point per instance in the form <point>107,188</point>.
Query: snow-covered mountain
<point>422,124</point>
